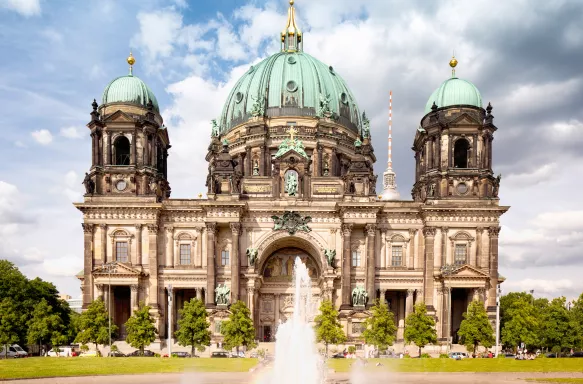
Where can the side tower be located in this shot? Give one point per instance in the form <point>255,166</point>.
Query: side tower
<point>129,142</point>
<point>453,145</point>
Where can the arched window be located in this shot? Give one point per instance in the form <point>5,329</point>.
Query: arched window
<point>121,151</point>
<point>460,153</point>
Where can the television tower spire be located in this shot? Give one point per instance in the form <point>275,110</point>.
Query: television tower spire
<point>389,186</point>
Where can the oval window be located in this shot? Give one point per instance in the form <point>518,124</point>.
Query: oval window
<point>344,98</point>
<point>291,86</point>
<point>238,97</point>
<point>291,60</point>
<point>462,188</point>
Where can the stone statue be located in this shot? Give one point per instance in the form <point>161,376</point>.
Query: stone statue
<point>215,128</point>
<point>291,222</point>
<point>258,107</point>
<point>222,295</point>
<point>291,184</point>
<point>431,190</point>
<point>324,105</point>
<point>372,184</point>
<point>365,126</point>
<point>330,257</point>
<point>359,297</point>
<point>255,168</point>
<point>252,255</point>
<point>89,184</point>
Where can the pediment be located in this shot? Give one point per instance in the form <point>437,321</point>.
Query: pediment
<point>119,117</point>
<point>118,269</point>
<point>469,271</point>
<point>464,119</point>
<point>298,157</point>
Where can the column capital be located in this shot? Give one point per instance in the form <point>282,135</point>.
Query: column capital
<point>211,228</point>
<point>138,226</point>
<point>370,229</point>
<point>134,287</point>
<point>170,229</point>
<point>333,230</point>
<point>153,229</point>
<point>413,231</point>
<point>494,231</point>
<point>103,226</point>
<point>429,231</point>
<point>87,228</point>
<point>346,229</point>
<point>99,287</point>
<point>319,148</point>
<point>480,230</point>
<point>444,230</point>
<point>235,228</point>
<point>410,292</point>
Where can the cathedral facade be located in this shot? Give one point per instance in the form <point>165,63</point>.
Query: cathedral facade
<point>290,177</point>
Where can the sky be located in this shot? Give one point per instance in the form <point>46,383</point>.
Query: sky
<point>525,58</point>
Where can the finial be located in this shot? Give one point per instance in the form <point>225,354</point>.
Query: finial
<point>453,64</point>
<point>291,36</point>
<point>292,131</point>
<point>489,108</point>
<point>94,105</point>
<point>131,61</point>
<point>291,2</point>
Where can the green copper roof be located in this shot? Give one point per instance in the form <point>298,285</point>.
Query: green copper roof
<point>129,89</point>
<point>290,84</point>
<point>454,91</point>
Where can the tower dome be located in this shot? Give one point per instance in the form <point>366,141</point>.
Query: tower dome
<point>454,91</point>
<point>290,83</point>
<point>129,89</point>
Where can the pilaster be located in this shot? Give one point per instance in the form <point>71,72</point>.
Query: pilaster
<point>346,233</point>
<point>235,261</point>
<point>138,260</point>
<point>211,230</point>
<point>153,264</point>
<point>429,234</point>
<point>370,231</point>
<point>493,234</point>
<point>87,264</point>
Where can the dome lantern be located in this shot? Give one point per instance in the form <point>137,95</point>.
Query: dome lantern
<point>291,36</point>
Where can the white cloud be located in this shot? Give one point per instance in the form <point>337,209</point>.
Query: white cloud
<point>52,35</point>
<point>24,7</point>
<point>71,132</point>
<point>43,136</point>
<point>157,32</point>
<point>544,287</point>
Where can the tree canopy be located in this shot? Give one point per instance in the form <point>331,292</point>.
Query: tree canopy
<point>475,328</point>
<point>328,328</point>
<point>140,328</point>
<point>43,324</point>
<point>8,323</point>
<point>93,325</point>
<point>380,327</point>
<point>193,327</point>
<point>420,327</point>
<point>238,330</point>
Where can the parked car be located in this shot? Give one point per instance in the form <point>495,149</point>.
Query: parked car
<point>62,352</point>
<point>509,355</point>
<point>14,351</point>
<point>220,354</point>
<point>577,354</point>
<point>339,355</point>
<point>116,354</point>
<point>181,354</point>
<point>458,355</point>
<point>147,353</point>
<point>551,355</point>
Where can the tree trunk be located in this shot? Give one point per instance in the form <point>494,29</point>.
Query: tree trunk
<point>192,351</point>
<point>326,350</point>
<point>419,352</point>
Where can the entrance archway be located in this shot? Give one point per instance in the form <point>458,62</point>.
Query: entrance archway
<point>275,304</point>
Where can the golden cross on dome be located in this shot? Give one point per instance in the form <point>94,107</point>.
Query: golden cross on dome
<point>292,131</point>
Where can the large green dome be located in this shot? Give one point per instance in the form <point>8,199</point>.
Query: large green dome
<point>129,89</point>
<point>290,84</point>
<point>454,91</point>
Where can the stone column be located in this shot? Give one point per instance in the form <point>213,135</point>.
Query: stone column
<point>107,149</point>
<point>346,255</point>
<point>400,317</point>
<point>198,259</point>
<point>235,261</point>
<point>153,265</point>
<point>334,163</point>
<point>413,250</point>
<point>445,312</point>
<point>169,247</point>
<point>250,301</point>
<point>103,230</point>
<point>138,260</point>
<point>444,231</point>
<point>493,232</point>
<point>134,297</point>
<point>370,230</point>
<point>384,252</point>
<point>429,234</point>
<point>479,256</point>
<point>276,313</point>
<point>248,162</point>
<point>320,150</point>
<point>419,298</point>
<point>262,160</point>
<point>409,302</point>
<point>99,288</point>
<point>87,264</point>
<point>211,230</point>
<point>473,255</point>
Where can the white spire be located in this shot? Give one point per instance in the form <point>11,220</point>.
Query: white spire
<point>389,186</point>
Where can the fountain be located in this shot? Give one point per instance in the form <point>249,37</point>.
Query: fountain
<point>296,357</point>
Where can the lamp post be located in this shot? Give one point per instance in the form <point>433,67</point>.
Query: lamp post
<point>498,293</point>
<point>446,271</point>
<point>109,267</point>
<point>170,320</point>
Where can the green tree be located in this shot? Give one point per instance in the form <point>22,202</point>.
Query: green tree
<point>238,330</point>
<point>523,324</point>
<point>193,328</point>
<point>8,323</point>
<point>475,328</point>
<point>380,327</point>
<point>43,324</point>
<point>140,328</point>
<point>576,316</point>
<point>58,340</point>
<point>93,325</point>
<point>420,327</point>
<point>328,328</point>
<point>558,327</point>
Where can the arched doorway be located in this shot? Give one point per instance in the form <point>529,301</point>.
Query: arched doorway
<point>275,304</point>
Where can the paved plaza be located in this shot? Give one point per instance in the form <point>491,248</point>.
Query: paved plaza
<point>344,378</point>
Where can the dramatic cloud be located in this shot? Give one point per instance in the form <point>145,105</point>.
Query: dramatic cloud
<point>43,136</point>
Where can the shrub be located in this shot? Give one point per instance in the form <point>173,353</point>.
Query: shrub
<point>156,355</point>
<point>261,353</point>
<point>84,348</point>
<point>501,356</point>
<point>406,356</point>
<point>443,356</point>
<point>114,348</point>
<point>352,349</point>
<point>425,356</point>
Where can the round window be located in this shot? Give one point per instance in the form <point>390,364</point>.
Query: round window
<point>291,86</point>
<point>462,188</point>
<point>291,60</point>
<point>238,97</point>
<point>344,98</point>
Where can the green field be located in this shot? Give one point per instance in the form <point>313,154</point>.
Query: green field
<point>567,380</point>
<point>88,366</point>
<point>466,365</point>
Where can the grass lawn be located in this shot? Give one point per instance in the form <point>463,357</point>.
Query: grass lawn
<point>570,380</point>
<point>88,366</point>
<point>466,365</point>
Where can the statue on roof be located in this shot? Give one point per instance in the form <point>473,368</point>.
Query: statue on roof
<point>258,107</point>
<point>365,126</point>
<point>215,128</point>
<point>324,105</point>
